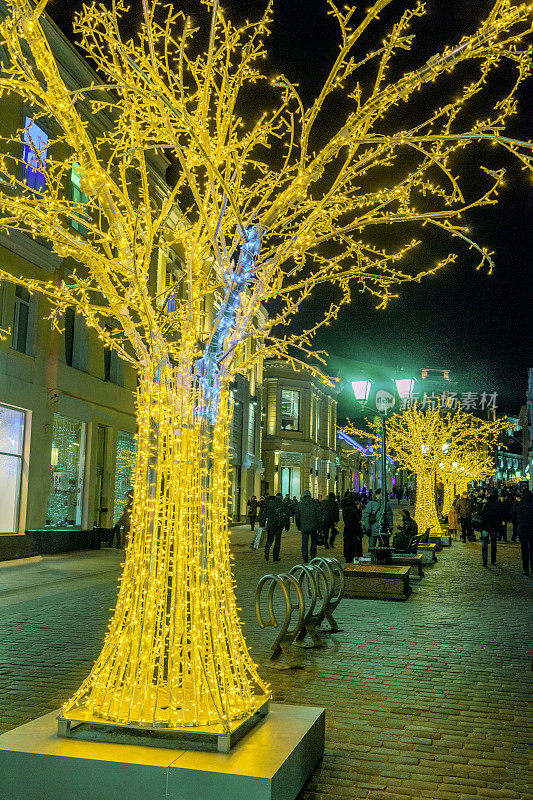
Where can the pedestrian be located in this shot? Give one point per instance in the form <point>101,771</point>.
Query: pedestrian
<point>276,519</point>
<point>465,509</point>
<point>453,519</point>
<point>503,511</point>
<point>252,510</point>
<point>372,519</point>
<point>307,519</point>
<point>261,511</point>
<point>525,530</point>
<point>491,524</point>
<point>320,537</point>
<point>331,517</point>
<point>294,506</point>
<point>123,524</point>
<point>353,529</point>
<point>514,516</point>
<point>406,531</point>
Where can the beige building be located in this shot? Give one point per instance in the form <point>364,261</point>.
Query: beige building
<point>299,432</point>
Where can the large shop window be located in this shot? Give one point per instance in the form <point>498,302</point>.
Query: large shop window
<point>66,472</point>
<point>290,410</point>
<point>12,422</point>
<point>125,462</point>
<point>34,155</point>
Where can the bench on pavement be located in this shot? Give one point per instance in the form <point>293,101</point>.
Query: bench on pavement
<point>428,553</point>
<point>377,582</point>
<point>412,560</point>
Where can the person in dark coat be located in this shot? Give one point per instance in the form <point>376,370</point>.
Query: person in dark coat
<point>406,531</point>
<point>525,530</point>
<point>252,510</point>
<point>491,520</point>
<point>465,510</point>
<point>331,517</point>
<point>353,530</point>
<point>274,524</point>
<point>307,520</point>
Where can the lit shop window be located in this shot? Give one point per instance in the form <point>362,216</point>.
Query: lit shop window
<point>20,319</point>
<point>12,424</point>
<point>290,410</point>
<point>66,472</point>
<point>79,198</point>
<point>126,452</point>
<point>34,155</point>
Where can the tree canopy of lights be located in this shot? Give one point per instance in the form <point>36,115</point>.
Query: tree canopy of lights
<point>266,213</point>
<point>438,445</point>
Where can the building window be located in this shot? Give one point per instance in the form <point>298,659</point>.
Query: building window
<point>290,410</point>
<point>66,472</point>
<point>125,462</point>
<point>20,319</point>
<point>252,414</point>
<point>12,425</point>
<point>34,155</point>
<point>79,199</point>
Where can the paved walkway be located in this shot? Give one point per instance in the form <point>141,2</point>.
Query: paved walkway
<point>431,698</point>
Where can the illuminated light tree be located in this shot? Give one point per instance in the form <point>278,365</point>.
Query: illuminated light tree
<point>267,214</point>
<point>435,444</point>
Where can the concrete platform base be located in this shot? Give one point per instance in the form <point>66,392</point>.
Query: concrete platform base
<point>428,553</point>
<point>436,539</point>
<point>377,582</point>
<point>271,763</point>
<point>445,540</point>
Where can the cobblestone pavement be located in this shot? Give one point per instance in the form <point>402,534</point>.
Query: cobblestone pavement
<point>431,698</point>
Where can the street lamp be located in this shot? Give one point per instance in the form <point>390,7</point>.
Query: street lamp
<point>383,401</point>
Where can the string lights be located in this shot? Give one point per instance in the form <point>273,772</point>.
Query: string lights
<point>249,230</point>
<point>438,445</point>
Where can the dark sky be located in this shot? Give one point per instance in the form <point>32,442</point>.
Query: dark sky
<point>477,325</point>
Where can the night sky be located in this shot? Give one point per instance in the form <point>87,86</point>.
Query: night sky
<point>476,325</point>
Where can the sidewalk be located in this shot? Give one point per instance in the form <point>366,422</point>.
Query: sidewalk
<point>431,698</point>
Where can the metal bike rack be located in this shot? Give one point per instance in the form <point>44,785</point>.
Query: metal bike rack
<point>314,590</point>
<point>335,572</point>
<point>286,636</point>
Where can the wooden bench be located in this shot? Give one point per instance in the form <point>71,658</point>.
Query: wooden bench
<point>409,560</point>
<point>377,582</point>
<point>428,553</point>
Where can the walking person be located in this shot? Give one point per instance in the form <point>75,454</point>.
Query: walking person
<point>331,517</point>
<point>514,516</point>
<point>252,510</point>
<point>353,529</point>
<point>307,519</point>
<point>277,518</point>
<point>123,524</point>
<point>453,520</point>
<point>525,530</point>
<point>491,525</point>
<point>465,509</point>
<point>372,518</point>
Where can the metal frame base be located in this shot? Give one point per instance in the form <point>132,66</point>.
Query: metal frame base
<point>77,724</point>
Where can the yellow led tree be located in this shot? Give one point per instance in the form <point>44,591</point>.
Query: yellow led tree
<point>434,444</point>
<point>268,212</point>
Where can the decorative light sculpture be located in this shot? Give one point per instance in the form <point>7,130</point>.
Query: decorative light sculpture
<point>251,230</point>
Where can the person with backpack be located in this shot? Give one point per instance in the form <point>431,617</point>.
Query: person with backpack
<point>491,525</point>
<point>372,518</point>
<point>307,520</point>
<point>252,510</point>
<point>353,530</point>
<point>277,518</point>
<point>331,517</point>
<point>525,529</point>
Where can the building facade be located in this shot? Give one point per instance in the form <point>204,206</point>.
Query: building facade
<point>299,432</point>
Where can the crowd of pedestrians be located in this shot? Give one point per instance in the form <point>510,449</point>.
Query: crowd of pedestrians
<point>488,511</point>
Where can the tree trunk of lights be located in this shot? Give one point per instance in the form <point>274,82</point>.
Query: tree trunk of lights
<point>449,496</point>
<point>425,509</point>
<point>175,654</point>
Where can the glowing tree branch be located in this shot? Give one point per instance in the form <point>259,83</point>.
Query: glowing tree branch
<point>265,213</point>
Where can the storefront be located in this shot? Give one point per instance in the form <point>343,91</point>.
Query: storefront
<point>12,432</point>
<point>125,462</point>
<point>67,468</point>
